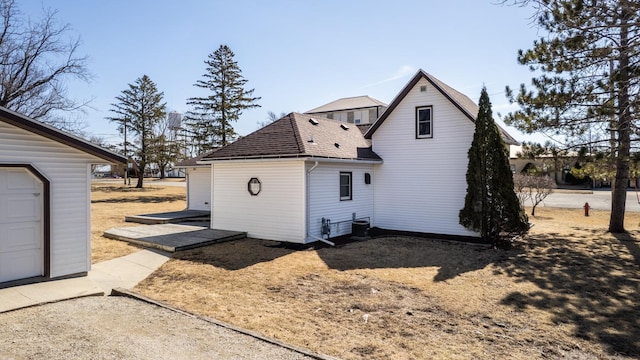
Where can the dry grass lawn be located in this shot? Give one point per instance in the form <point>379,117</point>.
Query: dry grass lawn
<point>569,289</point>
<point>111,202</point>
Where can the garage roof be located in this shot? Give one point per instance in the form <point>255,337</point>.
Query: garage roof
<point>47,131</point>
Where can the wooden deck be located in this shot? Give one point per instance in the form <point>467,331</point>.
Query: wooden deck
<point>170,217</point>
<point>173,237</point>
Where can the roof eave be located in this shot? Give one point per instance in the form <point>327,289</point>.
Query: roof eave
<point>288,157</point>
<point>52,133</point>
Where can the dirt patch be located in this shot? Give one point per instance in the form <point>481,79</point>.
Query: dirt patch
<point>110,203</point>
<point>122,328</point>
<point>569,289</point>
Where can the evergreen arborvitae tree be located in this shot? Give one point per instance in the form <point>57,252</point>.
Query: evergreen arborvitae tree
<point>211,117</point>
<point>491,206</point>
<point>139,109</point>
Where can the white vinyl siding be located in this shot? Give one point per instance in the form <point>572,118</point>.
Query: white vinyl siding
<point>325,200</point>
<point>421,185</point>
<point>199,188</point>
<point>68,172</point>
<point>276,213</point>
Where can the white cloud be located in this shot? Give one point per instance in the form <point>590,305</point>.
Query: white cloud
<point>403,71</point>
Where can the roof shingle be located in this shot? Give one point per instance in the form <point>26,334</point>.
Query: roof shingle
<point>295,135</point>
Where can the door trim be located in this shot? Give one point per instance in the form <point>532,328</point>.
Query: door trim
<point>46,218</point>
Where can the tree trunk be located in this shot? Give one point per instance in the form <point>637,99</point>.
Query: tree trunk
<point>619,192</point>
<point>140,175</point>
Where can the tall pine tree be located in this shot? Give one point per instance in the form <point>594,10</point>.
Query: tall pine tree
<point>138,110</point>
<point>211,117</point>
<point>491,206</point>
<point>587,81</point>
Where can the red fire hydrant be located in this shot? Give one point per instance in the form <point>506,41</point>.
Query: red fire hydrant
<point>586,209</point>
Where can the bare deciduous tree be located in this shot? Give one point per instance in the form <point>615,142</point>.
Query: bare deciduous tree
<point>164,148</point>
<point>533,188</point>
<point>36,59</point>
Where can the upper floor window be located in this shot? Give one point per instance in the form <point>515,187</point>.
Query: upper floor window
<point>424,122</point>
<point>372,116</point>
<point>350,117</point>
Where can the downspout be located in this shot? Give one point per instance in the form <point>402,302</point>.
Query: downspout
<point>308,197</point>
<point>186,179</point>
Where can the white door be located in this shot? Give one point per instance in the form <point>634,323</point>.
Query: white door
<point>21,225</point>
<point>199,188</point>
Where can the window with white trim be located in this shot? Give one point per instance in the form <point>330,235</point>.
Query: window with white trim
<point>345,186</point>
<point>424,122</point>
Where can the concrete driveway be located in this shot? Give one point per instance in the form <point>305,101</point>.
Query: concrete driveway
<point>598,200</point>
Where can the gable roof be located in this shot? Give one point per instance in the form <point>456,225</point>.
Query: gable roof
<point>299,135</point>
<point>348,103</point>
<point>49,132</point>
<point>458,99</point>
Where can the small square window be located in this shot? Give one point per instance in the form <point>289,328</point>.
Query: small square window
<point>345,186</point>
<point>424,122</point>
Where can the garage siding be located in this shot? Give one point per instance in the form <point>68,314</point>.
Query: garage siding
<point>68,171</point>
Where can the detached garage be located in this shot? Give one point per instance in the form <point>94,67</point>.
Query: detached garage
<point>45,200</point>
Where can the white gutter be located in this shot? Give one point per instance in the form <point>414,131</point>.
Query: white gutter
<point>306,159</point>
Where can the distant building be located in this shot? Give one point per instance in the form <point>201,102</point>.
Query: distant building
<point>355,110</point>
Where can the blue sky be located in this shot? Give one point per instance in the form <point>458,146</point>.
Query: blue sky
<point>297,55</point>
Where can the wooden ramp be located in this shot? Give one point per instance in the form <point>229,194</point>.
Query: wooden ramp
<point>170,217</point>
<point>173,237</point>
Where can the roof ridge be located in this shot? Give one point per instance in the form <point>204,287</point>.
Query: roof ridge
<point>296,132</point>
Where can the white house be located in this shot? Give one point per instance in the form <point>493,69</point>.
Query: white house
<point>281,181</point>
<point>45,201</point>
<point>355,110</point>
<point>423,137</point>
<point>304,178</point>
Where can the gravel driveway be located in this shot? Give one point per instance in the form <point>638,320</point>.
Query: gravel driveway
<point>123,328</point>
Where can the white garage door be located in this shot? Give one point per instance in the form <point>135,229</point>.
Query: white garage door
<point>21,225</point>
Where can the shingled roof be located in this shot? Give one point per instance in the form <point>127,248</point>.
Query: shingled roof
<point>348,103</point>
<point>300,135</point>
<point>458,99</point>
